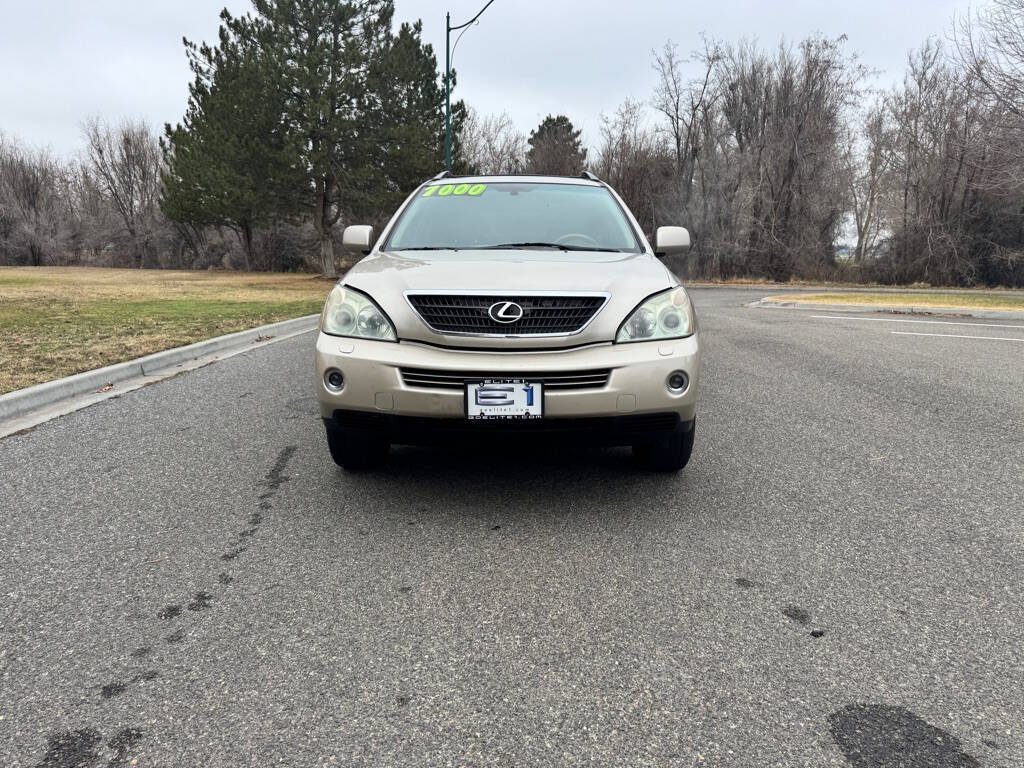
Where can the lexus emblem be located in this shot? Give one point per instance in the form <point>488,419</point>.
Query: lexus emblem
<point>505,312</point>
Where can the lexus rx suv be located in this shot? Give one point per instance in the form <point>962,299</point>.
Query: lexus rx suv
<point>510,306</point>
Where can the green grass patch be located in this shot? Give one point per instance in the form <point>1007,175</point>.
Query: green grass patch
<point>58,322</point>
<point>20,280</point>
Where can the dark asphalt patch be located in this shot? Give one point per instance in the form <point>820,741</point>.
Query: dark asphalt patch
<point>200,601</point>
<point>797,614</point>
<point>116,688</point>
<point>84,749</point>
<point>170,612</point>
<point>276,477</point>
<point>176,636</point>
<point>881,736</point>
<point>121,744</point>
<point>110,690</point>
<point>72,749</point>
<point>232,553</point>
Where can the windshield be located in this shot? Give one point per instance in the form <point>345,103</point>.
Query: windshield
<point>513,215</point>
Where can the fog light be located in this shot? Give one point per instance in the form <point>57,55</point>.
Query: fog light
<point>334,380</point>
<point>677,382</point>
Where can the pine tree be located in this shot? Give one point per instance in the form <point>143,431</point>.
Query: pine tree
<point>403,110</point>
<point>230,163</point>
<point>556,148</point>
<point>321,49</point>
<point>337,114</point>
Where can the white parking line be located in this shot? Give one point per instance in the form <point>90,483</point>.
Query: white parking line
<point>958,336</point>
<point>901,320</point>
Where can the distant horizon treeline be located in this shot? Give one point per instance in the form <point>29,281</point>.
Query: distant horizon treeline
<point>308,115</point>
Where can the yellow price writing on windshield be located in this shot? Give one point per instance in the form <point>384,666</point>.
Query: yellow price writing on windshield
<point>454,190</point>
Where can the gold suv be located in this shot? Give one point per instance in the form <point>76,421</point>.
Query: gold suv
<point>510,306</point>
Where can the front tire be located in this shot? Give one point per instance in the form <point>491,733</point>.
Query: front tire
<point>356,451</point>
<point>669,452</point>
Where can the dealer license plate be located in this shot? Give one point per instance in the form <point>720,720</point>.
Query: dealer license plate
<point>504,399</point>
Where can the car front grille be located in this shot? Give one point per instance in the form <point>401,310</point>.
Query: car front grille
<point>546,315</point>
<point>434,379</point>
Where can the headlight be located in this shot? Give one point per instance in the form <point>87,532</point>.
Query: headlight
<point>667,315</point>
<point>351,313</point>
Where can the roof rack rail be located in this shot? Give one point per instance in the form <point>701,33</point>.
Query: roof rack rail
<point>589,175</point>
<point>441,175</point>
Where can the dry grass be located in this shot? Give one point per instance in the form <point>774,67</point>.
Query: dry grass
<point>994,300</point>
<point>59,321</point>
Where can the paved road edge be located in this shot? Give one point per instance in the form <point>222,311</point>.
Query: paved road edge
<point>29,407</point>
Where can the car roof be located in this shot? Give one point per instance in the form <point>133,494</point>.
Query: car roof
<point>522,177</point>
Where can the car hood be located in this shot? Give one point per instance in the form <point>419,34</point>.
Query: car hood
<point>627,278</point>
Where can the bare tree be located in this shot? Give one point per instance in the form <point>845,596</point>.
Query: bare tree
<point>635,160</point>
<point>126,162</point>
<point>990,44</point>
<point>682,104</point>
<point>870,161</point>
<point>32,215</point>
<point>96,222</point>
<point>953,217</point>
<point>491,144</point>
<point>759,146</point>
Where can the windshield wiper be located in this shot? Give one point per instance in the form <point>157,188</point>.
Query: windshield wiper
<point>560,246</point>
<point>426,248</point>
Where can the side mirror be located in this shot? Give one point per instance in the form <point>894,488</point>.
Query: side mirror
<point>669,241</point>
<point>358,237</point>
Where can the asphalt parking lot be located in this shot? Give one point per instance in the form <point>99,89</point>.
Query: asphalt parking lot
<point>835,579</point>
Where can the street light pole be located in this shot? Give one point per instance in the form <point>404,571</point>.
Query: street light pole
<point>448,29</point>
<point>447,93</point>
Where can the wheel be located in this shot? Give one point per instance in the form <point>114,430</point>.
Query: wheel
<point>666,453</point>
<point>355,450</point>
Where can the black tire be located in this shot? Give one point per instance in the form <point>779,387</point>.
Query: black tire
<point>357,451</point>
<point>669,452</point>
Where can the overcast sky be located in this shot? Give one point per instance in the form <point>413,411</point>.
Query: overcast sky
<point>64,60</point>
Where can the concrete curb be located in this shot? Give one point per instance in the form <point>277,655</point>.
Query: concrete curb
<point>990,314</point>
<point>27,407</point>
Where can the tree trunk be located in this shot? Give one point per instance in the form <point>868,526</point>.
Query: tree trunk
<point>324,225</point>
<point>247,239</point>
<point>327,254</point>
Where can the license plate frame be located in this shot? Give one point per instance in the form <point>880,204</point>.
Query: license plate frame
<point>505,399</point>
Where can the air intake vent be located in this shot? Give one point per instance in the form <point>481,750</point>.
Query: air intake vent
<point>552,381</point>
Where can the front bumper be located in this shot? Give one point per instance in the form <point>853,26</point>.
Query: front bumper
<point>636,382</point>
